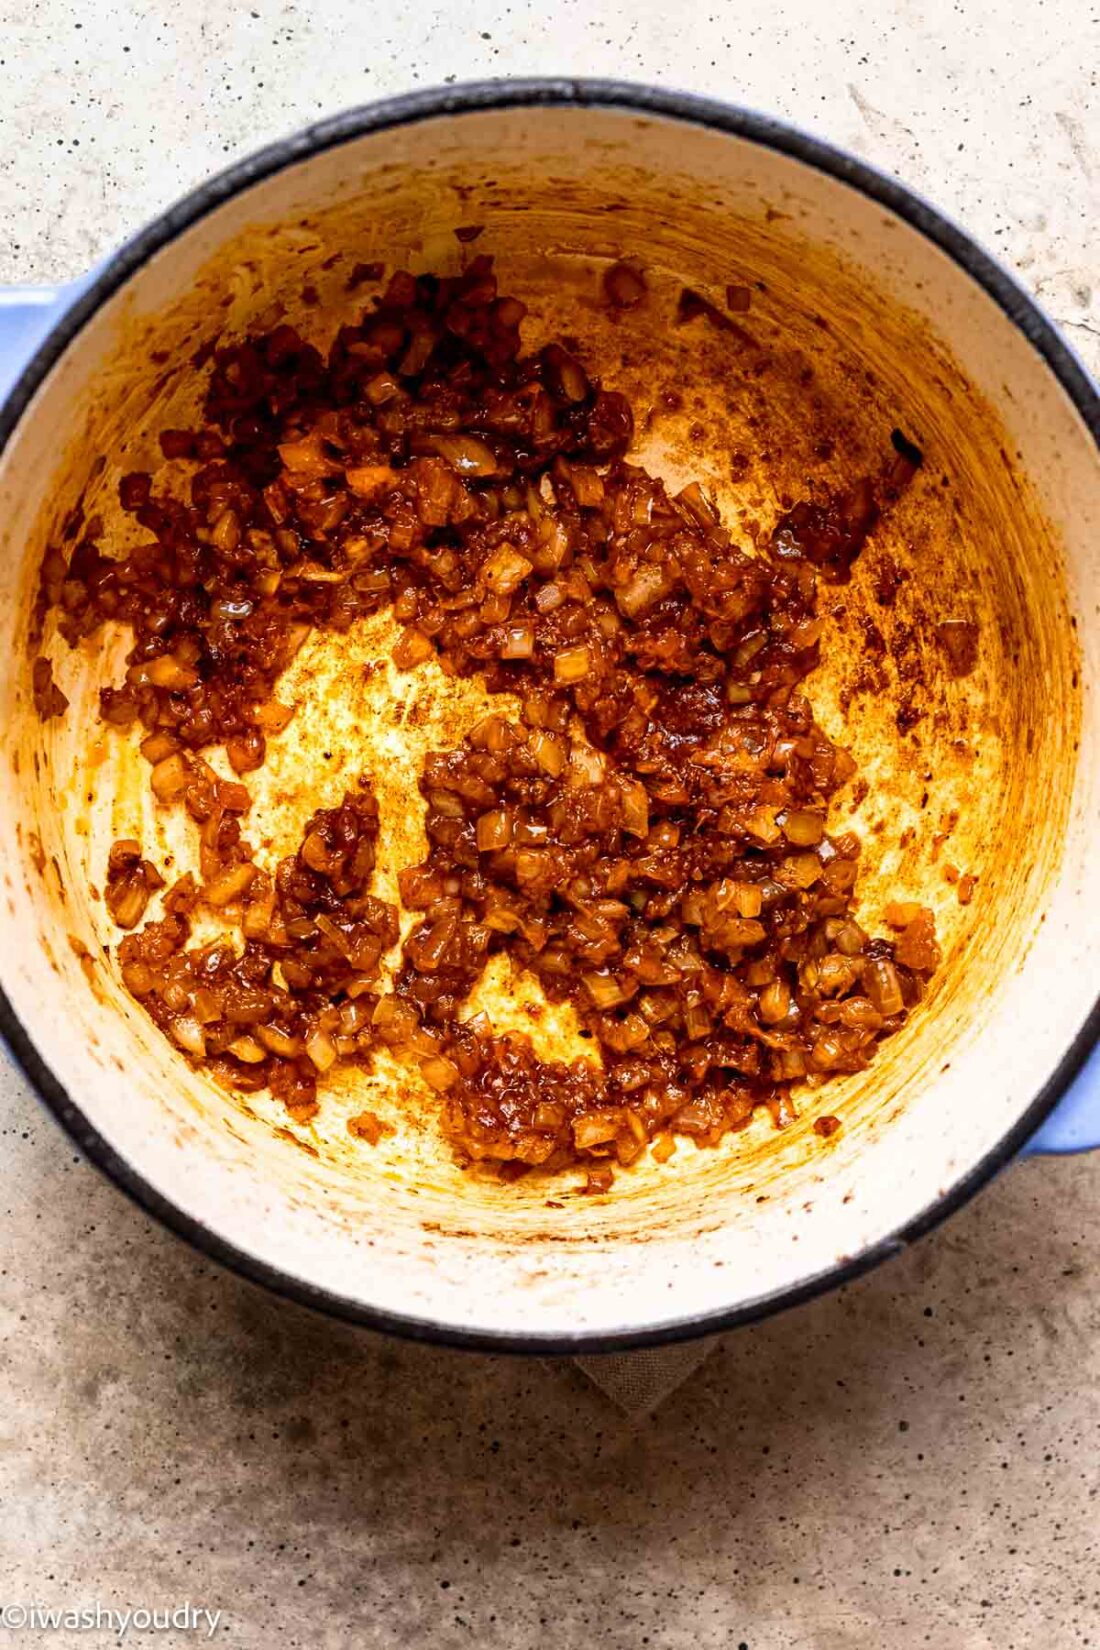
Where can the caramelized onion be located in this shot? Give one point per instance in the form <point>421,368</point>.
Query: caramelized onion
<point>643,830</point>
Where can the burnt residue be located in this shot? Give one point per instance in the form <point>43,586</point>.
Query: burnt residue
<point>906,449</point>
<point>889,577</point>
<point>691,305</point>
<point>363,275</point>
<point>35,852</point>
<point>84,956</point>
<point>958,638</point>
<point>306,1146</point>
<point>48,697</point>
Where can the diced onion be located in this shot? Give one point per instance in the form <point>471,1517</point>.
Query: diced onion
<point>519,641</point>
<point>248,1050</point>
<point>493,831</point>
<point>170,777</point>
<point>572,664</point>
<point>604,990</point>
<point>638,824</point>
<point>548,752</point>
<point>467,454</point>
<point>321,1050</point>
<point>188,1033</point>
<point>596,1129</point>
<point>228,885</point>
<point>883,986</point>
<point>440,1074</point>
<point>505,570</point>
<point>647,586</point>
<point>804,828</point>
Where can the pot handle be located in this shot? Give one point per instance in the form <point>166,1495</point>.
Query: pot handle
<point>1074,1124</point>
<point>27,313</point>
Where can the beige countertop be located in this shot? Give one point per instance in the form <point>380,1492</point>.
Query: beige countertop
<point>912,1461</point>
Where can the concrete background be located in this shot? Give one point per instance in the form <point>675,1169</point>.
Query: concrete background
<point>912,1461</point>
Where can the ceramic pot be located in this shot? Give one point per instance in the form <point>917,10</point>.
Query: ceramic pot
<point>869,313</point>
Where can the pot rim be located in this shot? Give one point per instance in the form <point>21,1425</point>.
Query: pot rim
<point>389,114</point>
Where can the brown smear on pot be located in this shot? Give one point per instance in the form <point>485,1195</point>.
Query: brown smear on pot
<point>814,396</point>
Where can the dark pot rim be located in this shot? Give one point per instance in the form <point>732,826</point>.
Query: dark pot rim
<point>391,114</point>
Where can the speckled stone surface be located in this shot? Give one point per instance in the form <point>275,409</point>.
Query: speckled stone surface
<point>913,1461</point>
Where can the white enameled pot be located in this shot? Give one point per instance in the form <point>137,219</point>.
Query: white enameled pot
<point>869,313</point>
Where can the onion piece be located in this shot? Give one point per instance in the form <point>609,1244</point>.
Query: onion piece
<point>439,1073</point>
<point>519,641</point>
<point>572,664</point>
<point>188,1033</point>
<point>170,777</point>
<point>803,827</point>
<point>883,986</point>
<point>228,885</point>
<point>248,1050</point>
<point>604,990</point>
<point>278,1042</point>
<point>647,586</point>
<point>505,570</point>
<point>467,454</point>
<point>370,480</point>
<point>549,597</point>
<point>596,1128</point>
<point>775,1002</point>
<point>412,648</point>
<point>548,752</point>
<point>493,831</point>
<point>321,1050</point>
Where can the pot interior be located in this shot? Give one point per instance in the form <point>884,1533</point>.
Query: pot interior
<point>858,326</point>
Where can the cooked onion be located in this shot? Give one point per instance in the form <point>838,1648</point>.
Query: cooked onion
<point>321,1050</point>
<point>883,986</point>
<point>494,830</point>
<point>572,664</point>
<point>505,570</point>
<point>641,825</point>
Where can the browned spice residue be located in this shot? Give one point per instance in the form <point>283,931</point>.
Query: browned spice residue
<point>888,580</point>
<point>84,956</point>
<point>624,286</point>
<point>958,639</point>
<point>645,834</point>
<point>366,1125</point>
<point>363,274</point>
<point>48,697</point>
<point>36,851</point>
<point>692,304</point>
